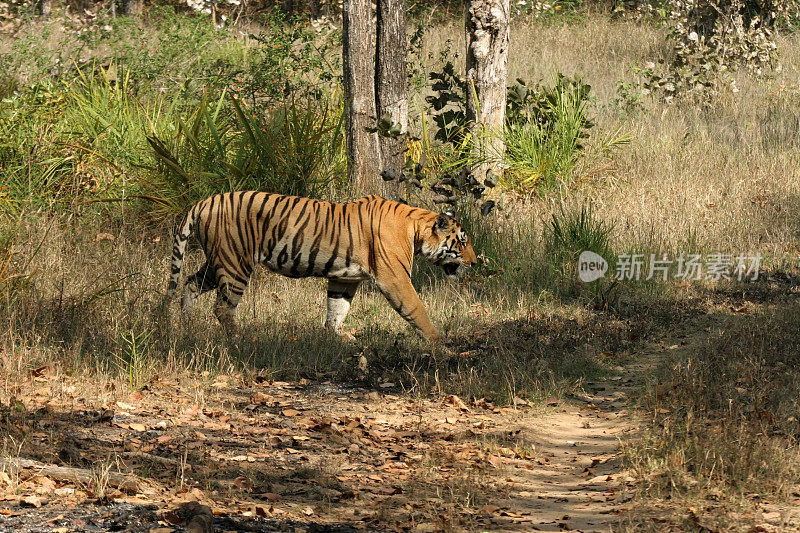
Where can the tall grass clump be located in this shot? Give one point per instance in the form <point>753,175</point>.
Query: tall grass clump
<point>568,233</point>
<point>296,149</point>
<point>75,141</point>
<point>544,133</point>
<point>106,128</point>
<point>572,231</point>
<point>105,113</point>
<point>34,171</point>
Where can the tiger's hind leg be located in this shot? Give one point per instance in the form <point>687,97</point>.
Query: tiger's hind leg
<point>229,292</point>
<point>200,282</point>
<point>340,296</point>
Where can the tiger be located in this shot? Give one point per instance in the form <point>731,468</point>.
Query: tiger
<point>346,243</point>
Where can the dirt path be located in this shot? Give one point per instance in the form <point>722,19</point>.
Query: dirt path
<point>578,481</point>
<point>314,456</point>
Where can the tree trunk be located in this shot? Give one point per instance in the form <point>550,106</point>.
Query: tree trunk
<point>391,80</point>
<point>358,62</point>
<point>487,28</point>
<point>287,6</point>
<point>45,7</point>
<point>134,8</point>
<point>315,6</point>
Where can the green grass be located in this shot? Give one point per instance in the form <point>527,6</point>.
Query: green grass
<point>224,146</point>
<point>544,134</point>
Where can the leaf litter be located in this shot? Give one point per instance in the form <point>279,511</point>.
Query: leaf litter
<point>264,454</point>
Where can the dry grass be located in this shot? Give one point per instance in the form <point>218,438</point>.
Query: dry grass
<point>719,176</point>
<point>81,314</point>
<point>723,412</point>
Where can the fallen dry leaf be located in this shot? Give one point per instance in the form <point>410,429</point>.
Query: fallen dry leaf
<point>259,398</point>
<point>598,479</point>
<point>519,402</point>
<point>33,501</point>
<point>103,237</point>
<point>456,402</point>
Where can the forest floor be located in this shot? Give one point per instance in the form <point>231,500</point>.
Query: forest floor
<point>314,456</point>
<point>324,455</point>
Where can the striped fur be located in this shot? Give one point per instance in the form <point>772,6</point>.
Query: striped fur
<point>346,243</point>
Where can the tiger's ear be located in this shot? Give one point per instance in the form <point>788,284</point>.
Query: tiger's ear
<point>443,222</point>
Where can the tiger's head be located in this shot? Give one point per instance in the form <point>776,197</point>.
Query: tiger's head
<point>449,246</point>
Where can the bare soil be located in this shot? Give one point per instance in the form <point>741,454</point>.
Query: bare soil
<point>314,456</point>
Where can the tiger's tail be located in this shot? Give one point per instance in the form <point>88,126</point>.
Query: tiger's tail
<point>182,233</point>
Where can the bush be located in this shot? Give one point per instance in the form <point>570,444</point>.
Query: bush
<point>545,128</point>
<point>297,149</point>
<point>292,58</point>
<point>712,39</point>
<point>543,136</point>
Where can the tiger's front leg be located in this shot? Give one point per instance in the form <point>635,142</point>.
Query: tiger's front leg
<point>340,296</point>
<point>404,299</point>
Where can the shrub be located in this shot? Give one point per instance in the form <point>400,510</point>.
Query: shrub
<point>448,105</point>
<point>292,58</point>
<point>545,128</point>
<point>713,38</point>
<point>297,149</point>
<point>543,136</point>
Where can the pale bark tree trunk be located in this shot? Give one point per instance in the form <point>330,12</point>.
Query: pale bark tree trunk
<point>134,8</point>
<point>363,149</point>
<point>391,80</point>
<point>487,28</point>
<point>45,7</point>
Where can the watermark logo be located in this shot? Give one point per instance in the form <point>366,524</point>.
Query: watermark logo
<point>591,266</point>
<point>684,267</point>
